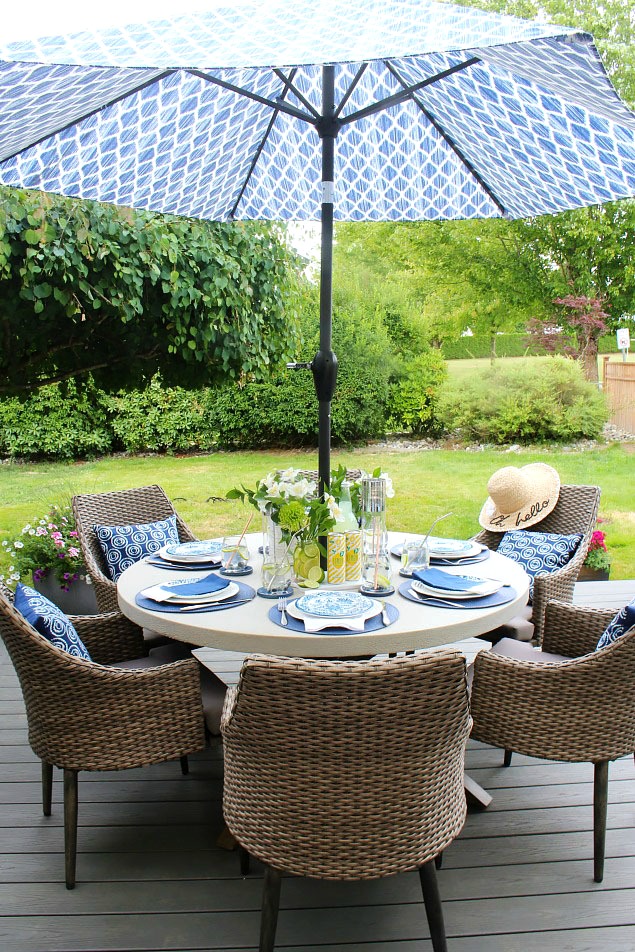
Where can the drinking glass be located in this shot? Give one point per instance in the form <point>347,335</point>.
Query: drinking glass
<point>415,556</point>
<point>234,555</point>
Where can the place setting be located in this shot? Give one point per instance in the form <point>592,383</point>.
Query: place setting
<point>441,589</point>
<point>188,556</point>
<point>207,594</point>
<point>333,613</point>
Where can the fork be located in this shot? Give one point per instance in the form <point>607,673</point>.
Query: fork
<point>282,608</point>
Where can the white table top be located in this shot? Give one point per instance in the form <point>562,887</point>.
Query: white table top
<point>248,628</point>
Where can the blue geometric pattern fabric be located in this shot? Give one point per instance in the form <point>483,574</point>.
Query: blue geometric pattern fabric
<point>49,620</point>
<point>528,123</point>
<point>623,622</point>
<point>124,545</point>
<point>538,552</point>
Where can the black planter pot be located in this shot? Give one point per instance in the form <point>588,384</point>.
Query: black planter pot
<point>78,600</point>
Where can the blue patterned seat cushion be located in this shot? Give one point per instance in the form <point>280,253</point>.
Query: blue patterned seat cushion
<point>623,622</point>
<point>538,552</point>
<point>49,620</point>
<point>124,545</point>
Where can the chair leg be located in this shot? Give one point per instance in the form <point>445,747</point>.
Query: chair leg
<point>47,788</point>
<point>434,910</point>
<point>270,905</point>
<point>507,759</point>
<point>185,766</point>
<point>600,801</point>
<point>70,826</point>
<point>244,857</point>
<point>438,861</point>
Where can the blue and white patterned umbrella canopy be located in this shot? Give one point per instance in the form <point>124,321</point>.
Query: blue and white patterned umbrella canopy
<point>498,116</point>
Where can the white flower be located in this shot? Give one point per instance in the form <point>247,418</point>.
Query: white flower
<point>390,492</point>
<point>32,531</point>
<point>19,545</point>
<point>334,509</point>
<point>15,577</point>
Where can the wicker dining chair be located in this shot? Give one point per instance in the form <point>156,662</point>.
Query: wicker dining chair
<point>566,702</point>
<point>576,511</point>
<point>127,506</point>
<point>347,770</point>
<point>87,715</point>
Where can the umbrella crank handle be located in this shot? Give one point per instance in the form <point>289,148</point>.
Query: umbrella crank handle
<point>300,365</point>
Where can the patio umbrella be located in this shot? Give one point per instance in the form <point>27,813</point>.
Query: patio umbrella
<point>358,110</point>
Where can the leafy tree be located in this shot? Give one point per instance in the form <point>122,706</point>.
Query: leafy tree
<point>86,287</point>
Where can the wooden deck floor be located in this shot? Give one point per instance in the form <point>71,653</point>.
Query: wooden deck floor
<point>151,877</point>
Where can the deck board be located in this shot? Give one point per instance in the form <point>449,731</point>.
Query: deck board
<point>151,876</point>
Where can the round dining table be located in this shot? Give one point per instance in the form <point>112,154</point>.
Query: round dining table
<point>248,627</point>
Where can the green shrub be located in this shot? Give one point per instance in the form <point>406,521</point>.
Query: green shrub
<point>507,345</point>
<point>59,421</point>
<point>537,401</point>
<point>161,418</point>
<point>413,396</point>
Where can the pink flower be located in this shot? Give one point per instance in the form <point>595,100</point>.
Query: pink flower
<point>73,552</point>
<point>41,531</point>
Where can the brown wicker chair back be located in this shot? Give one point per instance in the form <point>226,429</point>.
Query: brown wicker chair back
<point>128,506</point>
<point>347,770</point>
<point>575,511</point>
<point>84,715</point>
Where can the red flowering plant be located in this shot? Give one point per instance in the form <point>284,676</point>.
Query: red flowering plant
<point>47,544</point>
<point>597,556</point>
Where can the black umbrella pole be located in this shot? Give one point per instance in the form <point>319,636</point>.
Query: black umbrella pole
<point>325,362</point>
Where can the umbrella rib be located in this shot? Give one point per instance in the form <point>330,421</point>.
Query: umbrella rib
<point>273,104</point>
<point>407,93</point>
<point>466,162</point>
<point>288,85</point>
<point>157,76</point>
<point>296,92</point>
<point>358,75</point>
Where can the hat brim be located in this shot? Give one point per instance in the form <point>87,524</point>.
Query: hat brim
<point>545,492</point>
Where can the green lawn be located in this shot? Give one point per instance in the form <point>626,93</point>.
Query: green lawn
<point>427,484</point>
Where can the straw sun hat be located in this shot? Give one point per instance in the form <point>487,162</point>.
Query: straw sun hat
<point>519,498</point>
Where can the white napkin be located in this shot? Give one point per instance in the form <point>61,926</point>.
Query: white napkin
<point>318,624</point>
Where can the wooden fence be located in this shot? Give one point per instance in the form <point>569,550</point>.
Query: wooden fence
<point>619,387</point>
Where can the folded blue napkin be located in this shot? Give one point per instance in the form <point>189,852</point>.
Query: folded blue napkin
<point>203,586</point>
<point>437,578</point>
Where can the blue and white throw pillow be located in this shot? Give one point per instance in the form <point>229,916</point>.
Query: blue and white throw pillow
<point>124,545</point>
<point>538,552</point>
<point>49,620</point>
<point>618,626</point>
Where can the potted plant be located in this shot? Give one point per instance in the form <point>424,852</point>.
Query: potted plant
<point>597,565</point>
<point>47,555</point>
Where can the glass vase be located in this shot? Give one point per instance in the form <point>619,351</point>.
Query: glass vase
<point>306,565</point>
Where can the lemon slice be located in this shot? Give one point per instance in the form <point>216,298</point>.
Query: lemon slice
<point>308,583</point>
<point>383,581</point>
<point>315,574</point>
<point>311,550</point>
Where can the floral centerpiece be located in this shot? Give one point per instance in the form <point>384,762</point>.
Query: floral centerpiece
<point>597,557</point>
<point>297,517</point>
<point>48,545</point>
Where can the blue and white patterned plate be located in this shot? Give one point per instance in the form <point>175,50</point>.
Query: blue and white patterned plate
<point>334,604</point>
<point>449,547</point>
<point>193,551</point>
